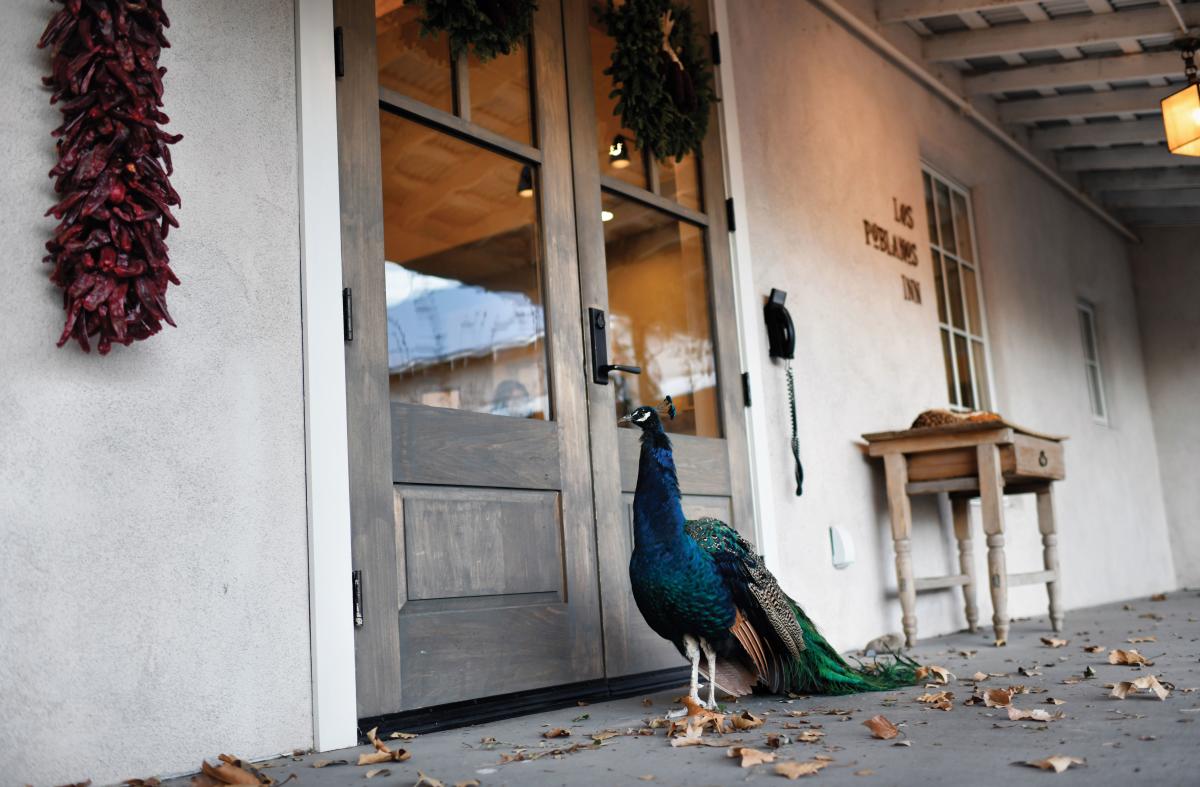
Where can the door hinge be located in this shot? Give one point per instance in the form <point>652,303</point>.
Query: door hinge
<point>729,219</point>
<point>347,314</point>
<point>715,40</point>
<point>339,54</point>
<point>356,578</point>
<point>745,389</point>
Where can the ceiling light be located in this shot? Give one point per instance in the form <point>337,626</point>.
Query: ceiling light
<point>606,215</point>
<point>618,152</point>
<point>1181,110</point>
<point>525,182</point>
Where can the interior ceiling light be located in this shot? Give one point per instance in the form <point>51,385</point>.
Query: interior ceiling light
<point>618,152</point>
<point>606,215</point>
<point>525,182</point>
<point>1181,110</point>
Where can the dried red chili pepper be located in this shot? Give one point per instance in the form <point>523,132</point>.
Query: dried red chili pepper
<point>108,251</point>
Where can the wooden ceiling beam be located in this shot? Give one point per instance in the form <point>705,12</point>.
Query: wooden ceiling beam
<point>1087,71</point>
<point>1122,158</point>
<point>1082,105</point>
<point>893,11</point>
<point>1160,198</point>
<point>1137,179</point>
<point>1116,133</point>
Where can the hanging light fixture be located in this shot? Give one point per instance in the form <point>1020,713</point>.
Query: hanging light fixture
<point>1181,110</point>
<point>618,152</point>
<point>525,182</point>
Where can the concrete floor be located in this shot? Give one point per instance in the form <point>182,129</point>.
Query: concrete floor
<point>1136,740</point>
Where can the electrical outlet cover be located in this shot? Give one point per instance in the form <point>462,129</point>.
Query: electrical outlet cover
<point>842,545</point>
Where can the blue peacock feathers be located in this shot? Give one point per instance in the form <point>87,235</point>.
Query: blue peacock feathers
<point>700,579</point>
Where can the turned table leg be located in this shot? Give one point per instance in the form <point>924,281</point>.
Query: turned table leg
<point>991,498</point>
<point>1045,509</point>
<point>966,557</point>
<point>896,470</point>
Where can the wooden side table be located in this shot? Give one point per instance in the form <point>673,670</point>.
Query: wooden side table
<point>985,459</point>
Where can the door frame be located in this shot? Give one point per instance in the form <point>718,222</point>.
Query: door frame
<point>326,433</point>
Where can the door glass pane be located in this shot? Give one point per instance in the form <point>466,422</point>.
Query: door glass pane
<point>680,181</point>
<point>500,98</point>
<point>659,315</point>
<point>972,293</point>
<point>1093,375</point>
<point>954,293</point>
<point>951,394</point>
<point>618,158</point>
<point>962,225</point>
<point>409,63</point>
<point>1089,334</point>
<point>466,328</point>
<point>930,212</point>
<point>981,376</point>
<point>937,285</point>
<point>945,220</point>
<point>966,397</point>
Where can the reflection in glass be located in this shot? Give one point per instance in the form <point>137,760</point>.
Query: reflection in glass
<point>971,290</point>
<point>500,98</point>
<point>950,387</point>
<point>966,396</point>
<point>680,180</point>
<point>409,63</point>
<point>938,287</point>
<point>618,157</point>
<point>962,224</point>
<point>930,213</point>
<point>954,293</point>
<point>981,375</point>
<point>945,220</point>
<point>658,300</point>
<point>466,328</point>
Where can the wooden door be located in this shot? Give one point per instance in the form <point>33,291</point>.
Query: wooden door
<point>470,474</point>
<point>654,254</point>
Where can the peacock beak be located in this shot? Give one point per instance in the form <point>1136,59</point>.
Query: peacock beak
<point>625,419</point>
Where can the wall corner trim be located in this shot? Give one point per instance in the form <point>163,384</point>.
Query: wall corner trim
<point>331,628</point>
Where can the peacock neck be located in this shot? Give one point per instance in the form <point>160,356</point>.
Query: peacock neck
<point>657,513</point>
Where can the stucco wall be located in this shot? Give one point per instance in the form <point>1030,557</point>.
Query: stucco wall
<point>1167,276</point>
<point>153,595</point>
<point>830,133</point>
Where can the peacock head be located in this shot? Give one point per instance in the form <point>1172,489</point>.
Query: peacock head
<point>647,418</point>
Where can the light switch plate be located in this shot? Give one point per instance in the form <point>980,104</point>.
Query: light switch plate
<point>842,546</point>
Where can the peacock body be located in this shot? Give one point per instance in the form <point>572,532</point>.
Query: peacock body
<point>702,586</point>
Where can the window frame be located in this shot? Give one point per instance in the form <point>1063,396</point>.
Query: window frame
<point>1085,310</point>
<point>983,399</point>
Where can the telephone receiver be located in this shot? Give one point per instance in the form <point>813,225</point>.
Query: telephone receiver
<point>781,333</point>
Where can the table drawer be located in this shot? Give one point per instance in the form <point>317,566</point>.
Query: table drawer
<point>1033,457</point>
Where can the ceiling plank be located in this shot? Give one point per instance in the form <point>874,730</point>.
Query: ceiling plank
<point>1122,158</point>
<point>1117,133</point>
<point>892,11</point>
<point>1161,198</point>
<point>1130,180</point>
<point>1162,217</point>
<point>1088,71</point>
<point>1055,33</point>
<point>1081,105</point>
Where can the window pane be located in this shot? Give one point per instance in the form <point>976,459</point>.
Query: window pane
<point>1093,375</point>
<point>618,158</point>
<point>962,224</point>
<point>412,64</point>
<point>680,180</point>
<point>658,300</point>
<point>945,220</point>
<point>499,91</point>
<point>930,214</point>
<point>966,397</point>
<point>954,293</point>
<point>951,393</point>
<point>465,318</point>
<point>1089,335</point>
<point>981,376</point>
<point>937,284</point>
<point>972,292</point>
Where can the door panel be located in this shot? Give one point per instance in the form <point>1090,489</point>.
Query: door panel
<point>461,251</point>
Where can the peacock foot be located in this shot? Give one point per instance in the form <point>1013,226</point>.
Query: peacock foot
<point>678,713</point>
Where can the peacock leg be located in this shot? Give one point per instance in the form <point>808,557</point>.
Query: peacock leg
<point>692,648</point>
<point>710,656</point>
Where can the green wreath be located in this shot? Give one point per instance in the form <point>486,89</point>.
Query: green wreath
<point>663,93</point>
<point>488,27</point>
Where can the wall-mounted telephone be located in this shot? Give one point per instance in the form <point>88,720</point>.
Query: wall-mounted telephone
<point>781,343</point>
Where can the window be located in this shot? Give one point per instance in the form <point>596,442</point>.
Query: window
<point>1091,361</point>
<point>959,295</point>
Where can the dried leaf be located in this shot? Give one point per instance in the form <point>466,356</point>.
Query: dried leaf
<point>1058,763</point>
<point>371,774</point>
<point>791,769</point>
<point>750,757</point>
<point>1159,597</point>
<point>382,753</point>
<point>1122,689</point>
<point>902,743</point>
<point>746,721</point>
<point>1016,714</point>
<point>428,781</point>
<point>327,763</point>
<point>557,732</point>
<point>1130,657</point>
<point>1054,701</point>
<point>997,698</point>
<point>1088,672</point>
<point>1136,640</point>
<point>467,783</point>
<point>232,770</point>
<point>151,782</point>
<point>646,701</point>
<point>864,772</point>
<point>1029,673</point>
<point>943,700</point>
<point>582,717</point>
<point>1055,642</point>
<point>810,736</point>
<point>604,735</point>
<point>881,728</point>
<point>938,674</point>
<point>978,676</point>
<point>1095,648</point>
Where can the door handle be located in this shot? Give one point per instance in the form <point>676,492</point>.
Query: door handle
<point>598,331</point>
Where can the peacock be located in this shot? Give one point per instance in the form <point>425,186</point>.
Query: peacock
<point>702,586</point>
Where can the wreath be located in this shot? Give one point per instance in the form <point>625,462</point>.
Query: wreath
<point>488,27</point>
<point>661,79</point>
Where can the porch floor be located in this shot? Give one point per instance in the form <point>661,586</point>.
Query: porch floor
<point>1139,739</point>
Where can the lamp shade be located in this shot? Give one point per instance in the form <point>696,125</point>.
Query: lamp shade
<point>1181,117</point>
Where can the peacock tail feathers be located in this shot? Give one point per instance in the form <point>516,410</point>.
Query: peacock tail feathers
<point>822,670</point>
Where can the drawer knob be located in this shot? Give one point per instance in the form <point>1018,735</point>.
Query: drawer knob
<point>1043,460</point>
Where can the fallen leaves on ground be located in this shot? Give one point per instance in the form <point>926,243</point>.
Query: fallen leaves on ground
<point>978,676</point>
<point>151,782</point>
<point>382,753</point>
<point>428,781</point>
<point>521,755</point>
<point>1125,687</point>
<point>1129,657</point>
<point>698,718</point>
<point>992,698</point>
<point>1031,672</point>
<point>810,736</point>
<point>1058,763</point>
<point>1159,597</point>
<point>1136,640</point>
<point>750,757</point>
<point>881,728</point>
<point>938,674</point>
<point>1095,648</point>
<point>231,770</point>
<point>327,763</point>
<point>864,772</point>
<point>1055,642</point>
<point>943,700</point>
<point>790,769</point>
<point>1054,701</point>
<point>1017,714</point>
<point>746,721</point>
<point>557,732</point>
<point>371,774</point>
<point>402,736</point>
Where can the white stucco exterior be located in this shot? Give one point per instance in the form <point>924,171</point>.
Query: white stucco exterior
<point>154,520</point>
